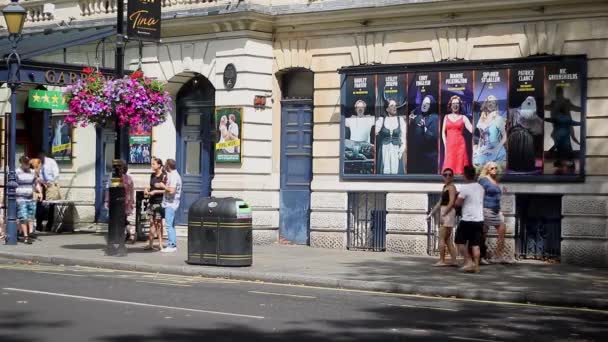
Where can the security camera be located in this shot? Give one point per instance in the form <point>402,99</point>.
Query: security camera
<point>48,9</point>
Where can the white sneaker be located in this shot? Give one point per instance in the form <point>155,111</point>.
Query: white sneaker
<point>484,262</point>
<point>169,250</point>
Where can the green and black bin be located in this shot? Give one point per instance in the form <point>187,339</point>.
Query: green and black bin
<point>220,232</point>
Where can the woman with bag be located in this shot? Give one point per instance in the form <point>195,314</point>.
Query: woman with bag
<point>447,219</point>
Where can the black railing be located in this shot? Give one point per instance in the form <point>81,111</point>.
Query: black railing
<point>366,221</point>
<point>433,226</point>
<point>538,227</point>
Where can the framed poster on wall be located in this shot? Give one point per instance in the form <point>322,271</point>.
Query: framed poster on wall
<point>140,145</point>
<point>61,139</point>
<point>526,115</point>
<point>229,125</point>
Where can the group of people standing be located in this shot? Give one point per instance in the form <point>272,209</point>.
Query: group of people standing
<point>479,203</point>
<point>37,181</point>
<point>163,193</point>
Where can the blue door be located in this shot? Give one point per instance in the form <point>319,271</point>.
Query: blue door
<point>296,170</point>
<point>106,139</point>
<point>194,143</point>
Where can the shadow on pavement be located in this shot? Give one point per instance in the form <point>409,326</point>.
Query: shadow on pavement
<point>14,326</point>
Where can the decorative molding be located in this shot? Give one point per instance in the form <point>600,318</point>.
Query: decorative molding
<point>293,53</point>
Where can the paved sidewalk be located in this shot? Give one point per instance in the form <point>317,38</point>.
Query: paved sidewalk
<point>550,284</point>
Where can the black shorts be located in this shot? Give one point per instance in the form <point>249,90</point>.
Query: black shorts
<point>470,232</point>
<point>156,211</point>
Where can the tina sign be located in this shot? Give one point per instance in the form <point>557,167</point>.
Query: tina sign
<point>143,19</point>
<point>229,123</point>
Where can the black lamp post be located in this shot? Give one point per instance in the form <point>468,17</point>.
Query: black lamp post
<point>116,206</point>
<point>14,15</point>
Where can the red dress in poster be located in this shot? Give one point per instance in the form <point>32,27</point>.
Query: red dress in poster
<point>456,157</point>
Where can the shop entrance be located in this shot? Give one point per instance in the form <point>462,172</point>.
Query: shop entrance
<point>296,156</point>
<point>195,137</point>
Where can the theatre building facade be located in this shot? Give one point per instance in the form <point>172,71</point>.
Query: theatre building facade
<point>335,120</point>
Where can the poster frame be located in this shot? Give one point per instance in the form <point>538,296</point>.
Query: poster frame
<point>216,134</point>
<point>61,116</point>
<point>582,60</point>
<point>151,147</point>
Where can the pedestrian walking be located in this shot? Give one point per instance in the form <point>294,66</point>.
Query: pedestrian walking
<point>127,181</point>
<point>492,216</point>
<point>49,179</point>
<point>156,212</point>
<point>171,196</point>
<point>447,218</point>
<point>468,234</point>
<point>26,207</point>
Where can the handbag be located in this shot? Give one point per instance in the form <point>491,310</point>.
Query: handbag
<point>52,192</point>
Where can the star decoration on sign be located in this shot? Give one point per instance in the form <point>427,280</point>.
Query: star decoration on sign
<point>36,97</point>
<point>46,98</point>
<point>55,99</point>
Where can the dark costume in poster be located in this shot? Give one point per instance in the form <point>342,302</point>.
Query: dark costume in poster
<point>423,132</point>
<point>525,125</point>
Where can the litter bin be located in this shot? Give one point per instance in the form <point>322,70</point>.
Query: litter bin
<point>220,232</point>
<point>142,224</point>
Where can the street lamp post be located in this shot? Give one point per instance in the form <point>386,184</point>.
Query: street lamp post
<point>116,206</point>
<point>14,15</point>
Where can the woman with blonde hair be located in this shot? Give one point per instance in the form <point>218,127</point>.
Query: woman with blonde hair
<point>492,135</point>
<point>492,216</point>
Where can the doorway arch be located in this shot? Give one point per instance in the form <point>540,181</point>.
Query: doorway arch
<point>195,104</point>
<point>296,154</point>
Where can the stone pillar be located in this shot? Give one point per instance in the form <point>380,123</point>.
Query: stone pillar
<point>406,224</point>
<point>585,230</point>
<point>328,219</point>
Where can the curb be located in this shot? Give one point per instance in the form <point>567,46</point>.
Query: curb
<point>525,297</point>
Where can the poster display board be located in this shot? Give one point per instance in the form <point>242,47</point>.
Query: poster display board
<point>229,123</point>
<point>140,145</point>
<point>61,139</point>
<point>526,115</point>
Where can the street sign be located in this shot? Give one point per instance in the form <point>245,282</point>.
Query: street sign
<point>143,19</point>
<point>45,99</point>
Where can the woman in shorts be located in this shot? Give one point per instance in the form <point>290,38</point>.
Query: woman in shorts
<point>26,206</point>
<point>447,218</point>
<point>492,216</point>
<point>155,210</point>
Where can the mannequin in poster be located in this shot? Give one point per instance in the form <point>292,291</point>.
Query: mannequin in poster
<point>492,135</point>
<point>391,133</point>
<point>423,135</point>
<point>563,129</point>
<point>456,156</point>
<point>525,125</point>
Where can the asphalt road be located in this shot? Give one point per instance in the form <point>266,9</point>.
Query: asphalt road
<point>57,303</point>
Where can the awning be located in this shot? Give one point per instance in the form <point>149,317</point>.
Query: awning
<point>37,44</point>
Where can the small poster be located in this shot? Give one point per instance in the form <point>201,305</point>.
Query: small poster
<point>140,145</point>
<point>456,128</point>
<point>229,123</point>
<point>359,138</point>
<point>525,121</point>
<point>490,117</point>
<point>61,139</point>
<point>143,19</point>
<point>423,127</point>
<point>391,124</point>
<point>563,117</point>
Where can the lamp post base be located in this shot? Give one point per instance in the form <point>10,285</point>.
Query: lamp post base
<point>117,220</point>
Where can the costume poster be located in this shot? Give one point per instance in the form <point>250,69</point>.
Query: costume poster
<point>490,117</point>
<point>423,123</point>
<point>562,146</point>
<point>456,112</point>
<point>61,139</point>
<point>525,121</point>
<point>359,137</point>
<point>229,123</point>
<point>140,145</point>
<point>391,124</point>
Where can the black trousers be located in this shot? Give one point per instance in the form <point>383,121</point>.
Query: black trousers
<point>45,212</point>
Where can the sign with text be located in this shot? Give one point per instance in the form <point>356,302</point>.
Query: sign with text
<point>143,19</point>
<point>44,99</point>
<point>229,123</point>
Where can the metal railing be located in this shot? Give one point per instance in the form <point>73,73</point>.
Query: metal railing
<point>538,227</point>
<point>366,221</point>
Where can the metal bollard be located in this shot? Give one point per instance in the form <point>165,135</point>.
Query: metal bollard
<point>116,223</point>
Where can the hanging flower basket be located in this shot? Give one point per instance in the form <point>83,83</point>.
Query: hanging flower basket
<point>131,101</point>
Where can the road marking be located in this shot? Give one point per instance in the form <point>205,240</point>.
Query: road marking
<point>132,303</point>
<point>160,283</point>
<point>421,307</point>
<point>282,294</point>
<point>61,274</point>
<point>471,339</point>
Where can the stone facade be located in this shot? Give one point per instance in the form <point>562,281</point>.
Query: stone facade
<point>260,39</point>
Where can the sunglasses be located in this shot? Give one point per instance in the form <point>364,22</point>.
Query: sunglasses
<point>493,168</point>
<point>447,175</point>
